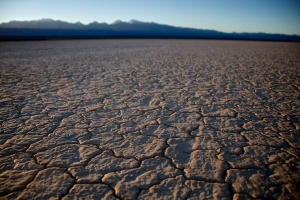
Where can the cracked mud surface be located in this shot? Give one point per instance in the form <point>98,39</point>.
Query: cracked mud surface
<point>149,119</point>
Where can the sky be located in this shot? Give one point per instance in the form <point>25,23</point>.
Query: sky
<point>269,16</point>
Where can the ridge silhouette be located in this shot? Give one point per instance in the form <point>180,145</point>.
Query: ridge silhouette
<point>57,29</point>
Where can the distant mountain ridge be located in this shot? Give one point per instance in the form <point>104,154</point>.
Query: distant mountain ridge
<point>56,29</point>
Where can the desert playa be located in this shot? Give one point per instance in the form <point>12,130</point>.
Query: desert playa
<point>149,119</point>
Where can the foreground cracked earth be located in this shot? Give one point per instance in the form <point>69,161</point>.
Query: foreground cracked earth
<point>149,119</point>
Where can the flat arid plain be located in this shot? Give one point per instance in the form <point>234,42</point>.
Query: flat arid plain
<point>149,119</point>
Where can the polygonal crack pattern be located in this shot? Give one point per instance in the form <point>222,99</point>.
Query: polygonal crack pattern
<point>149,119</point>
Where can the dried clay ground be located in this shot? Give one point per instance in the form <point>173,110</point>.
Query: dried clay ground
<point>149,119</point>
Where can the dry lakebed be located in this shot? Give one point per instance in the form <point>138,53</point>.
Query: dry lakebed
<point>149,119</point>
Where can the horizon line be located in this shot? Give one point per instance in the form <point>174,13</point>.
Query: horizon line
<point>121,21</point>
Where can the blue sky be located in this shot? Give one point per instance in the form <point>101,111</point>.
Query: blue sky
<point>271,16</point>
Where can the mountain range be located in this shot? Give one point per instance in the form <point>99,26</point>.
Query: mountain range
<point>56,29</point>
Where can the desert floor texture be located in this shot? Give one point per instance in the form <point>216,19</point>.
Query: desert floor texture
<point>149,119</point>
